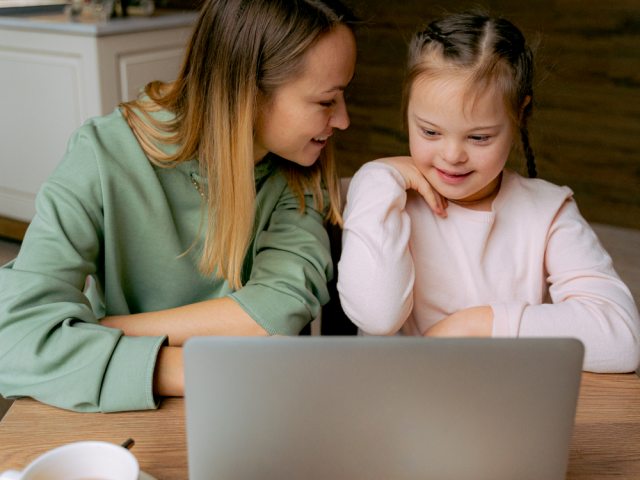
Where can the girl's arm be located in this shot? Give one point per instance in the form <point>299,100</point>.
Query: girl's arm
<point>470,322</point>
<point>590,302</point>
<point>376,271</point>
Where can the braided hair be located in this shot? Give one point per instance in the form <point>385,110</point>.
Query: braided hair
<point>495,52</point>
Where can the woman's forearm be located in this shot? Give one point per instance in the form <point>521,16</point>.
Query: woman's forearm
<point>168,377</point>
<point>221,316</point>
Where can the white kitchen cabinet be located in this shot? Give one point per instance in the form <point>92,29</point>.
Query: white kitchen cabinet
<point>54,74</point>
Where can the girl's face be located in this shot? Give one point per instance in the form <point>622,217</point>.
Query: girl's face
<point>459,141</point>
<point>298,119</point>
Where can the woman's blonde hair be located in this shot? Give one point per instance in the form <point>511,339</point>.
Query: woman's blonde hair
<point>239,49</point>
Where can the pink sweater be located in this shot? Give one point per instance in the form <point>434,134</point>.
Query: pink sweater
<point>533,259</point>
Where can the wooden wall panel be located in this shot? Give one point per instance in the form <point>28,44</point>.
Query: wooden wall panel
<point>586,126</point>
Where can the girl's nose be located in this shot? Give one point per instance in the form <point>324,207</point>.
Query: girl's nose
<point>454,152</point>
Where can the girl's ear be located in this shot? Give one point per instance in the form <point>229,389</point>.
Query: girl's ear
<point>525,102</point>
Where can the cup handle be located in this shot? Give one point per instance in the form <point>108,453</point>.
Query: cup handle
<point>11,475</point>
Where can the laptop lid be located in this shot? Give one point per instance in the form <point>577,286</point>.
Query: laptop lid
<point>380,408</point>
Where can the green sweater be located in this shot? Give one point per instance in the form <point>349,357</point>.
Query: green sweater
<point>109,215</point>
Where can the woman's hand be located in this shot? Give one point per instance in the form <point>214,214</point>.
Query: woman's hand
<point>470,322</point>
<point>168,376</point>
<point>416,181</point>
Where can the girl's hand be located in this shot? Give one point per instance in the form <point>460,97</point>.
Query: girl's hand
<point>416,181</point>
<point>470,322</point>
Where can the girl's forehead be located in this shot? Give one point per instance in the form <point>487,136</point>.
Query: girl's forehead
<point>454,93</point>
<point>455,86</point>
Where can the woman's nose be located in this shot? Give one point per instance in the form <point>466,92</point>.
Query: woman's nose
<point>340,117</point>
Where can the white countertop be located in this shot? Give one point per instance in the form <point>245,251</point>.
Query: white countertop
<point>86,25</point>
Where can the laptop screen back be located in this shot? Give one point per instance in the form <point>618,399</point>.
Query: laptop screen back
<point>380,408</point>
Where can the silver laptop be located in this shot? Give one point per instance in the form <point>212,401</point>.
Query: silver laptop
<point>393,408</point>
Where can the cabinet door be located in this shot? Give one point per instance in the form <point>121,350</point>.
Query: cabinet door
<point>54,82</point>
<point>137,69</point>
<point>42,103</point>
<point>129,61</point>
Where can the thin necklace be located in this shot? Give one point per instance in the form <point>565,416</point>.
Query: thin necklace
<point>196,184</point>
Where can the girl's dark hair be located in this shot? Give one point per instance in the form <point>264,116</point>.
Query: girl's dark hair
<point>496,53</point>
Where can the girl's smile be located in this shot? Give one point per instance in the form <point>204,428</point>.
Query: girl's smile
<point>452,178</point>
<point>459,139</point>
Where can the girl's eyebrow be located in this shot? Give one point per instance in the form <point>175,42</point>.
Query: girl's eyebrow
<point>422,120</point>
<point>482,127</point>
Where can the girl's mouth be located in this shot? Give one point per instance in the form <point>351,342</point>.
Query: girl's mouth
<point>452,178</point>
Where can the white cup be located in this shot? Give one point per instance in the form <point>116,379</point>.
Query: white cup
<point>80,461</point>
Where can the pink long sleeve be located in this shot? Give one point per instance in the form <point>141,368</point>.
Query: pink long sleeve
<point>533,259</point>
<point>376,269</point>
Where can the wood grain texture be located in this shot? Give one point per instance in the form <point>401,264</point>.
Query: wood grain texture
<point>31,428</point>
<point>606,437</point>
<point>605,443</point>
<point>13,229</point>
<point>586,124</point>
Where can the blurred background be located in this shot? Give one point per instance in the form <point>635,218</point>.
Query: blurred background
<point>586,123</point>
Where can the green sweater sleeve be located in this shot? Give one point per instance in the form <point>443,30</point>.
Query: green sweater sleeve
<point>107,213</point>
<point>291,266</point>
<point>52,347</point>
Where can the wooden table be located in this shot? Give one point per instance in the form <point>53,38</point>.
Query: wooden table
<point>606,439</point>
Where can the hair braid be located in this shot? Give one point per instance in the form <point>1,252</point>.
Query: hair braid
<point>528,152</point>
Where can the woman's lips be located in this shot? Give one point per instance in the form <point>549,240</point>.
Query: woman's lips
<point>321,140</point>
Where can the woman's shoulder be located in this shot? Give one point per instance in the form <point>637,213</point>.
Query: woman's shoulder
<point>103,132</point>
<point>103,147</point>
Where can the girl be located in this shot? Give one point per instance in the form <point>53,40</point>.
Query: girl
<point>513,257</point>
<point>196,210</point>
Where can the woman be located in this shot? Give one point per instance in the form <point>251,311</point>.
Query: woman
<point>196,210</point>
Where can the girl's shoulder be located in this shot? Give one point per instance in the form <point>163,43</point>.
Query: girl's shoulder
<point>537,193</point>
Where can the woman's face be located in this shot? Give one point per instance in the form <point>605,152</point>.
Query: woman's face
<point>296,122</point>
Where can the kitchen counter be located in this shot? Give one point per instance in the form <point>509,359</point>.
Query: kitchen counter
<point>87,25</point>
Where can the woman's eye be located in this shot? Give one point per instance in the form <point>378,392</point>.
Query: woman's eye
<point>328,103</point>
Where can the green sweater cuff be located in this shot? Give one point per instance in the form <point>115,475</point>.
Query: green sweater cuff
<point>276,312</point>
<point>128,381</point>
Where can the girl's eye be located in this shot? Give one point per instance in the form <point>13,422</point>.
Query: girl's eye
<point>429,133</point>
<point>480,138</point>
<point>329,103</point>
